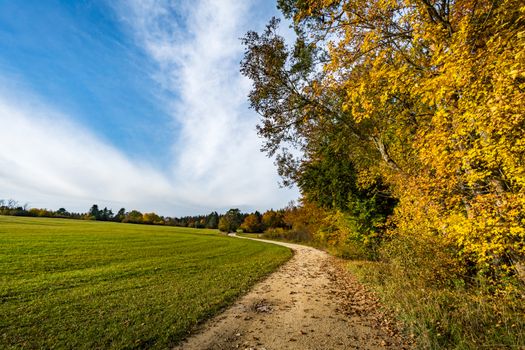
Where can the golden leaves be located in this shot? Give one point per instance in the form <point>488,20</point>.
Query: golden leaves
<point>444,89</point>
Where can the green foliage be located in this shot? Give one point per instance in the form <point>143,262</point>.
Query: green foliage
<point>224,225</point>
<point>231,221</point>
<point>86,285</point>
<point>98,214</point>
<point>133,217</point>
<point>334,170</point>
<point>328,179</point>
<point>11,207</point>
<point>121,214</point>
<point>212,221</point>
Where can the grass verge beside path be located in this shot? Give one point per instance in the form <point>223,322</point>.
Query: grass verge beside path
<point>447,318</point>
<point>84,285</point>
<point>453,316</point>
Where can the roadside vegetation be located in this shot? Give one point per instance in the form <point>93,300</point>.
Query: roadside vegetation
<point>86,284</point>
<point>402,123</point>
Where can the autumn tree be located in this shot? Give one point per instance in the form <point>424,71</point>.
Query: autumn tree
<point>253,223</point>
<point>335,166</point>
<point>273,219</point>
<point>305,220</point>
<point>152,219</point>
<point>426,96</point>
<point>230,221</point>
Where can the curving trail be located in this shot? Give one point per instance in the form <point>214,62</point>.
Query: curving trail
<point>310,302</point>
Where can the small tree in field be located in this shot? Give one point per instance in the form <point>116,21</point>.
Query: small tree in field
<point>230,221</point>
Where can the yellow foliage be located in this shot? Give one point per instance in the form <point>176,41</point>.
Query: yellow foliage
<point>443,90</point>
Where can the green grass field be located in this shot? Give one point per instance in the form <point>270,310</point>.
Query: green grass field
<point>84,285</point>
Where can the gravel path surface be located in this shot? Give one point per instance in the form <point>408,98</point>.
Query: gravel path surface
<point>311,302</point>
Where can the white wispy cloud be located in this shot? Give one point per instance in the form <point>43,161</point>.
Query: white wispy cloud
<point>197,50</point>
<point>49,160</point>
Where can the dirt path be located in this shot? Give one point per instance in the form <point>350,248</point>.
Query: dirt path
<point>308,303</point>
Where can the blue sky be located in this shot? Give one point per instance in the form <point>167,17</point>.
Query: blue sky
<point>77,55</point>
<point>135,103</point>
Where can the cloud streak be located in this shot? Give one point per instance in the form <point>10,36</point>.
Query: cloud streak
<point>49,160</point>
<point>197,50</point>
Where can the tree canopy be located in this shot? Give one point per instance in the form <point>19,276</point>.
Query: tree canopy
<point>417,100</point>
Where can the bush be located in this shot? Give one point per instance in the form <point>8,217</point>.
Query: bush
<point>426,260</point>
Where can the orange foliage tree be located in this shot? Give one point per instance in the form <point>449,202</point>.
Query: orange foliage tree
<point>253,223</point>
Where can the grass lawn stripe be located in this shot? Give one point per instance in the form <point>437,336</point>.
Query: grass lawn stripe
<point>81,284</point>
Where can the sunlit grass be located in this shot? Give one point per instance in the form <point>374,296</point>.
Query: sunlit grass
<point>447,317</point>
<point>78,284</point>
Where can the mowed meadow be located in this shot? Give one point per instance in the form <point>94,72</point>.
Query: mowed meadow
<point>78,284</point>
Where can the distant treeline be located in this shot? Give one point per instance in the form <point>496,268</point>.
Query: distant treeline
<point>231,221</point>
